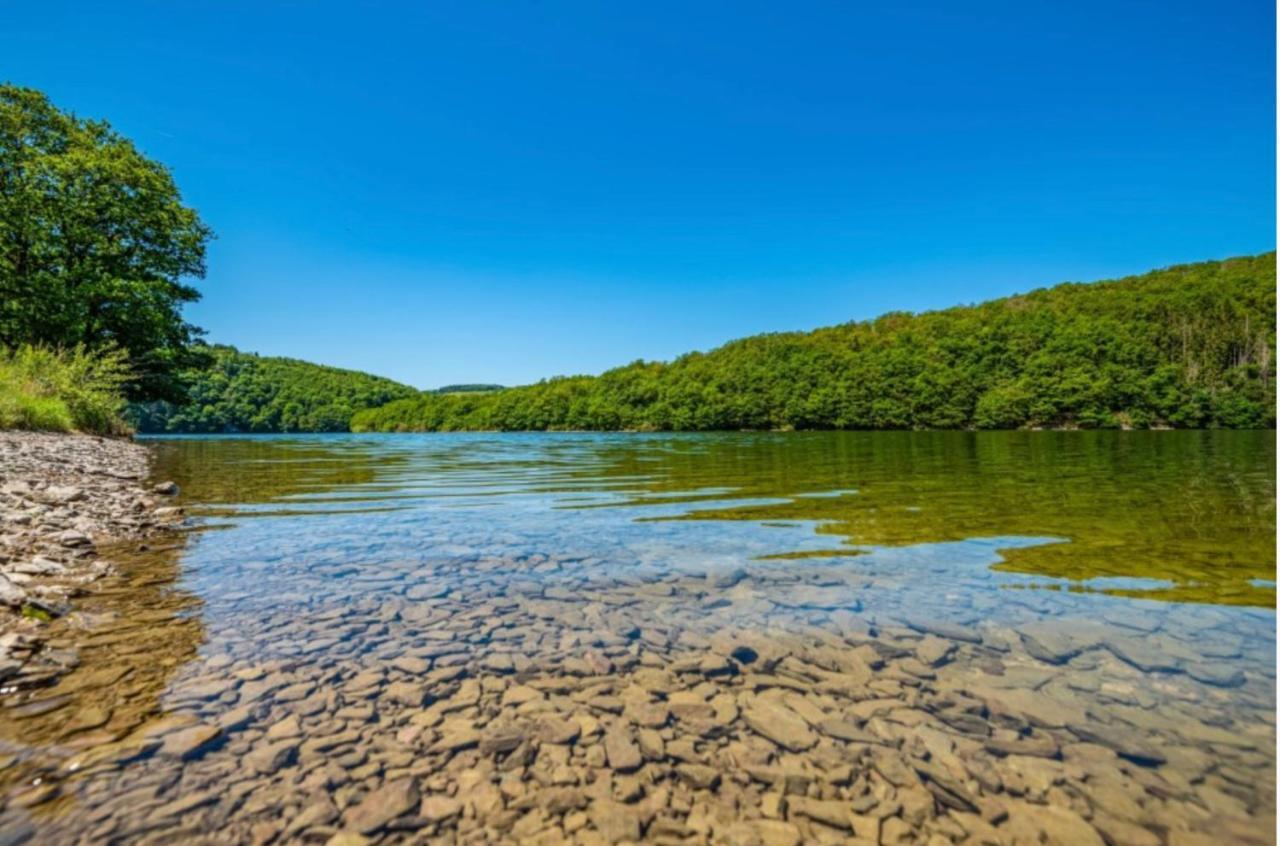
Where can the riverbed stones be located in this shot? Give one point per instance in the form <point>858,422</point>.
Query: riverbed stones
<point>71,538</point>
<point>1216,675</point>
<point>1033,708</point>
<point>384,804</point>
<point>946,630</point>
<point>935,651</point>
<point>54,494</point>
<point>1051,825</point>
<point>456,734</point>
<point>268,757</point>
<point>409,694</point>
<point>621,751</point>
<point>556,730</point>
<point>1126,742</point>
<point>437,808</point>
<point>190,742</point>
<point>410,664</point>
<point>614,821</point>
<point>1141,654</point>
<point>347,838</point>
<point>11,594</point>
<point>1120,832</point>
<point>778,723</point>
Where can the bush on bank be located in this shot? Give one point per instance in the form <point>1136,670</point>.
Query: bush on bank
<point>42,388</point>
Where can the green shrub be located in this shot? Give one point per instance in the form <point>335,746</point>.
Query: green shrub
<point>63,390</point>
<point>27,411</point>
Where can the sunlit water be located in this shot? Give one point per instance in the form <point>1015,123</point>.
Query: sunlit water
<point>320,558</point>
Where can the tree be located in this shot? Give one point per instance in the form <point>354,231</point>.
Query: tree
<point>94,244</point>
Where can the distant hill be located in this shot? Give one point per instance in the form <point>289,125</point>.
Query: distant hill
<point>467,389</point>
<point>244,392</point>
<point>1187,346</point>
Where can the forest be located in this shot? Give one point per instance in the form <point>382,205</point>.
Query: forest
<point>243,392</point>
<point>1187,346</point>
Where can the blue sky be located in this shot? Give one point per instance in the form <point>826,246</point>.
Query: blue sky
<point>472,191</point>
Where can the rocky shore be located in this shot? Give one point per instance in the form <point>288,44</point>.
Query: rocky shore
<point>62,497</point>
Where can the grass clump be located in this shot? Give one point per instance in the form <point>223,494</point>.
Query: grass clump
<point>63,390</point>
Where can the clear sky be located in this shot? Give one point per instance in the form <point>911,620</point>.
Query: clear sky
<point>497,192</point>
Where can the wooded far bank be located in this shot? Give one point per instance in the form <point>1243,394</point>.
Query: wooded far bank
<point>1188,346</point>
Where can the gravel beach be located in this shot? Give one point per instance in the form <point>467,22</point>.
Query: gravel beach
<point>62,497</point>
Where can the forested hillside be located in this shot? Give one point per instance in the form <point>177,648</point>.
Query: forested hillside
<point>1187,346</point>
<point>243,392</point>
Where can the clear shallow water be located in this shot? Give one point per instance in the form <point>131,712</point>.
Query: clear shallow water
<point>1088,589</point>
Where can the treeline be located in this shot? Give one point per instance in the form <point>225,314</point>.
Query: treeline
<point>1187,346</point>
<point>243,392</point>
<point>468,389</point>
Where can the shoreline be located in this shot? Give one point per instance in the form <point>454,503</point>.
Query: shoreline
<point>1046,429</point>
<point>63,497</point>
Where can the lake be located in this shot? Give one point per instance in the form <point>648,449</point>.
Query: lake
<point>732,638</point>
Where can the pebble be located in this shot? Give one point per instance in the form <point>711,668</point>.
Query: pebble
<point>269,757</point>
<point>437,808</point>
<point>622,753</point>
<point>383,805</point>
<point>187,743</point>
<point>778,723</point>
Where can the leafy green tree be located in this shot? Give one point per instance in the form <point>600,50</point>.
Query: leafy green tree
<point>95,244</point>
<point>1004,406</point>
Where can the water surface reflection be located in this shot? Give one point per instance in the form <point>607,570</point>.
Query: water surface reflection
<point>986,636</point>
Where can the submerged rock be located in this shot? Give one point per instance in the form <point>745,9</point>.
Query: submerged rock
<point>386,803</point>
<point>777,723</point>
<point>191,742</point>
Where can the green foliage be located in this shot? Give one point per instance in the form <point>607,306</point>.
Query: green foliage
<point>31,612</point>
<point>1004,406</point>
<point>94,244</point>
<point>242,392</point>
<point>1189,346</point>
<point>62,390</point>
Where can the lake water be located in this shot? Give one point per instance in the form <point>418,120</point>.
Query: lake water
<point>741,638</point>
